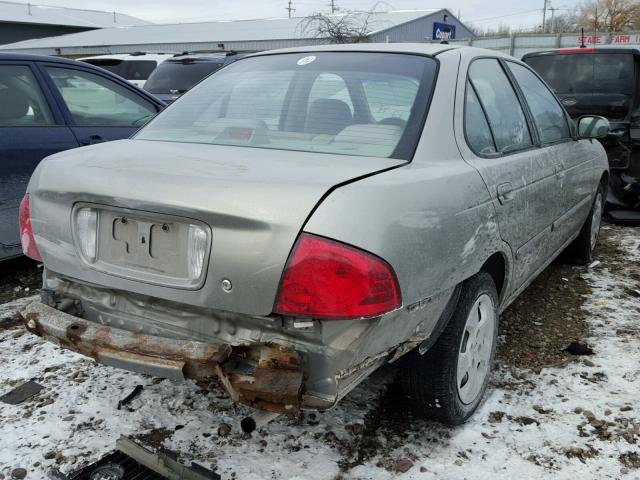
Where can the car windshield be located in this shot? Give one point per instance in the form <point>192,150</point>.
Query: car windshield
<point>354,103</point>
<point>179,76</point>
<point>127,69</point>
<point>586,73</point>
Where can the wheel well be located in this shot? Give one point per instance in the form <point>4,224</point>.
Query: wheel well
<point>496,267</point>
<point>604,179</point>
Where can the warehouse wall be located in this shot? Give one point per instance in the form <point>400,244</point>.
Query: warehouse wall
<point>16,32</point>
<point>420,29</point>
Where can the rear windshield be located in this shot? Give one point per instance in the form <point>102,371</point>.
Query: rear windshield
<point>352,103</point>
<point>178,77</point>
<point>586,72</point>
<point>127,69</point>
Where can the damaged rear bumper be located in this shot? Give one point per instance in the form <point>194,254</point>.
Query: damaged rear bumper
<point>261,376</point>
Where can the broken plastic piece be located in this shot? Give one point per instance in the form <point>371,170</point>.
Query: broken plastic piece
<point>21,393</point>
<point>134,393</point>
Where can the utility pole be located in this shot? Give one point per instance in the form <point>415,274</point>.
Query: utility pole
<point>544,17</point>
<point>333,7</point>
<point>553,24</point>
<point>290,8</point>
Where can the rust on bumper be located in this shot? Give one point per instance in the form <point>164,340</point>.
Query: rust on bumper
<point>262,376</point>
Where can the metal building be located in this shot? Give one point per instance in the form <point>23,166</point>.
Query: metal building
<point>245,35</point>
<point>22,21</point>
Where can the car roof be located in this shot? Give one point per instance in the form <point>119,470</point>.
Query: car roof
<point>414,48</point>
<point>213,56</point>
<point>27,57</point>
<point>427,49</point>
<point>634,49</point>
<point>130,56</point>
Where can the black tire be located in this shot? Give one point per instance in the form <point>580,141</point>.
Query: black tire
<point>580,251</point>
<point>431,380</point>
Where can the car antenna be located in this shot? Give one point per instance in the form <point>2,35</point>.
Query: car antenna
<point>582,45</point>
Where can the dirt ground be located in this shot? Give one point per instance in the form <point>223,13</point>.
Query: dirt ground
<point>561,402</point>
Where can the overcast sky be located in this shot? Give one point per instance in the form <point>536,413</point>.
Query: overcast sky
<point>478,12</point>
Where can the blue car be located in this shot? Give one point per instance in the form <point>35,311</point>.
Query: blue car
<point>50,104</point>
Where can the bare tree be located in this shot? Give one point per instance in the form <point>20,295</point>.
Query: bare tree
<point>563,23</point>
<point>611,15</point>
<point>349,26</point>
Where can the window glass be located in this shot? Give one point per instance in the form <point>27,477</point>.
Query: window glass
<point>127,69</point>
<point>178,76</point>
<point>390,98</point>
<point>586,72</point>
<point>97,101</point>
<point>22,103</point>
<point>475,124</point>
<point>504,113</point>
<point>547,113</point>
<point>322,102</point>
<point>267,107</point>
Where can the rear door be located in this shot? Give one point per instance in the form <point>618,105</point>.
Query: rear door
<point>97,107</point>
<point>571,160</point>
<point>497,139</point>
<point>31,128</point>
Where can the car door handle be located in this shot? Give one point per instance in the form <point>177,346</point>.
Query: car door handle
<point>505,193</point>
<point>91,139</point>
<point>559,171</point>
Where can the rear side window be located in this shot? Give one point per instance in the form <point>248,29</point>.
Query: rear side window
<point>351,103</point>
<point>22,103</point>
<point>500,102</point>
<point>96,101</point>
<point>176,77</point>
<point>475,124</point>
<point>548,115</point>
<point>127,69</point>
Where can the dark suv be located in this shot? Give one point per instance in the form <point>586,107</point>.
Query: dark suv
<point>602,81</point>
<point>175,76</point>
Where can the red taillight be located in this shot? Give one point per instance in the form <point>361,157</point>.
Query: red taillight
<point>325,279</point>
<point>29,247</point>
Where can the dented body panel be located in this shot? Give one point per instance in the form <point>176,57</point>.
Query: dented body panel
<point>436,220</point>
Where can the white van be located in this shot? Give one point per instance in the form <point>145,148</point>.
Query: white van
<point>133,67</point>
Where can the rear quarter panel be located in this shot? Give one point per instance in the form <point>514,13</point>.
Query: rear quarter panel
<point>432,219</point>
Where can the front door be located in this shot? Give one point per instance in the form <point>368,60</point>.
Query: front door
<point>31,128</point>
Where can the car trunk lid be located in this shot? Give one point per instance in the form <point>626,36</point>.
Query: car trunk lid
<point>253,201</point>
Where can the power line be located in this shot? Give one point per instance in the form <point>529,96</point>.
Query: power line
<point>290,8</point>
<point>525,12</point>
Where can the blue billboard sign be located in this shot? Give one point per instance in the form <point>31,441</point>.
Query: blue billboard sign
<point>443,31</point>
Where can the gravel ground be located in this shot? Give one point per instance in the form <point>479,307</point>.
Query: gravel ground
<point>548,413</point>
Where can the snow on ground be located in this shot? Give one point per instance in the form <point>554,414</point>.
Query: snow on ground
<point>578,420</point>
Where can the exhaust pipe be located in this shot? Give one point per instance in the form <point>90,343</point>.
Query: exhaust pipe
<point>257,420</point>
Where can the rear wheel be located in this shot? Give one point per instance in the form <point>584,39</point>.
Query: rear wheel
<point>580,251</point>
<point>448,382</point>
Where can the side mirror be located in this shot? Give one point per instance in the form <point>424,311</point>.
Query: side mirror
<point>593,127</point>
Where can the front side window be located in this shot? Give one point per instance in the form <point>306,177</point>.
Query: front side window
<point>314,102</point>
<point>22,103</point>
<point>96,101</point>
<point>500,102</point>
<point>548,115</point>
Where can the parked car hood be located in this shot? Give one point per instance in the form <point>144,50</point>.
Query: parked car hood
<point>255,200</point>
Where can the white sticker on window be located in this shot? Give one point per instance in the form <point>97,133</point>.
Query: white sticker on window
<point>307,60</point>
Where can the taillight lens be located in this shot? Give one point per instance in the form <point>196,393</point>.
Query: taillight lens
<point>325,279</point>
<point>29,247</point>
<point>87,232</point>
<point>198,243</point>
